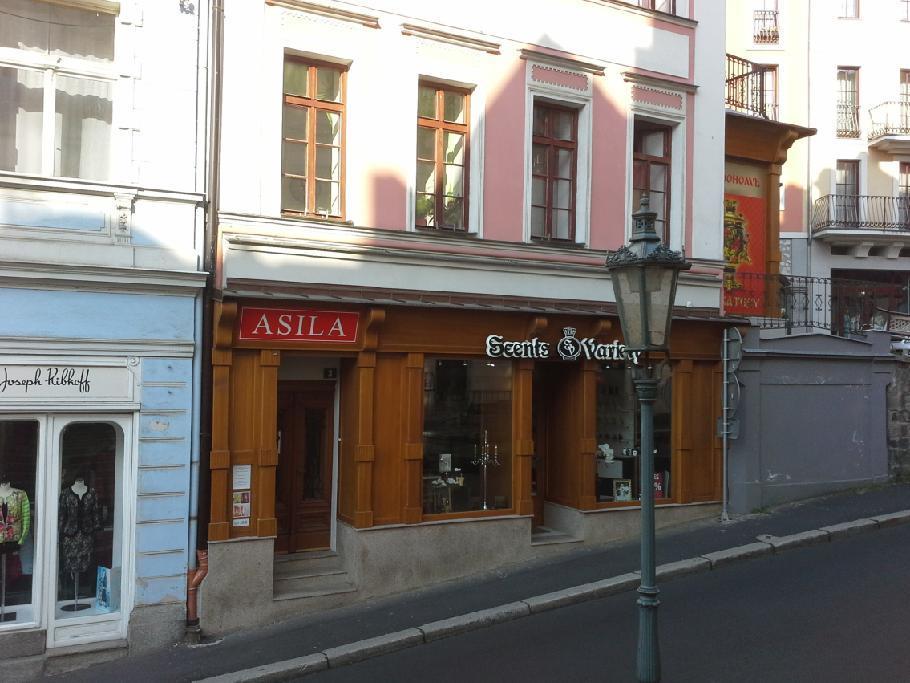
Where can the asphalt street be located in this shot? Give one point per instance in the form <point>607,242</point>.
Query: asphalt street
<point>835,612</point>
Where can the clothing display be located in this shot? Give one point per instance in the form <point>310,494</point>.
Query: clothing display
<point>15,516</point>
<point>78,520</point>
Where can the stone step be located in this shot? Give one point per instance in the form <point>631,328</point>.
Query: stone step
<point>312,587</point>
<point>307,564</point>
<point>545,536</point>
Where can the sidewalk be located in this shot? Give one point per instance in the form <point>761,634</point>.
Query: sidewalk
<point>319,632</point>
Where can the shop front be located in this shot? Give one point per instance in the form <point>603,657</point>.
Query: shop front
<point>419,444</point>
<point>67,476</point>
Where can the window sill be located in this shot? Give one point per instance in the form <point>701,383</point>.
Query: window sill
<point>446,233</point>
<point>562,244</point>
<point>469,514</point>
<point>324,220</point>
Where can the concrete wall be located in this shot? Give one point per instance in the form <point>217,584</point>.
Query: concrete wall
<point>812,417</point>
<point>899,421</point>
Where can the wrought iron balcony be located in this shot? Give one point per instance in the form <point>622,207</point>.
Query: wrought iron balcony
<point>861,213</point>
<point>889,126</point>
<point>764,27</point>
<point>805,304</point>
<point>847,120</point>
<point>746,88</point>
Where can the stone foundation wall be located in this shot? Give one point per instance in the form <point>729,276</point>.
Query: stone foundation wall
<point>899,421</point>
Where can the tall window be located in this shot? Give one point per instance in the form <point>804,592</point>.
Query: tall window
<point>847,191</point>
<point>903,192</point>
<point>443,119</point>
<point>769,90</point>
<point>554,165</point>
<point>905,10</point>
<point>651,171</point>
<point>847,102</point>
<point>312,155</point>
<point>849,9</point>
<point>56,89</point>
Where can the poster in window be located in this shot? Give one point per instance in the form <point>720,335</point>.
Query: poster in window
<point>745,247</point>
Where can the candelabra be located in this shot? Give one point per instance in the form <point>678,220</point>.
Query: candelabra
<point>488,456</point>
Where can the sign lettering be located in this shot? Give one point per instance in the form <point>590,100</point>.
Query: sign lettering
<point>568,348</point>
<point>287,324</point>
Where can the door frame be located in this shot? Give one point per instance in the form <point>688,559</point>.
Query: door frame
<point>334,386</point>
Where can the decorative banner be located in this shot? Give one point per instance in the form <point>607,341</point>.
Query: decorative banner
<point>745,228</point>
<point>298,325</point>
<point>568,348</point>
<point>65,382</point>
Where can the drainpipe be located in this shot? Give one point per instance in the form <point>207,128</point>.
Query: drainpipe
<point>194,578</point>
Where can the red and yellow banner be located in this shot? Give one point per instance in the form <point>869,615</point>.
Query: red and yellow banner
<point>745,228</point>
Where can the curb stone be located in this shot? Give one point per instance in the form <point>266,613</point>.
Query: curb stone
<point>444,628</point>
<point>849,528</point>
<point>740,552</point>
<point>364,649</point>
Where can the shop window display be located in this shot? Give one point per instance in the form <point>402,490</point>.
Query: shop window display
<point>18,463</point>
<point>88,520</point>
<point>467,436</point>
<point>619,436</point>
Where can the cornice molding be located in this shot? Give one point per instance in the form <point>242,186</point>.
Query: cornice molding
<point>568,63</point>
<point>450,38</point>
<point>657,82</point>
<point>31,274</point>
<point>368,20</point>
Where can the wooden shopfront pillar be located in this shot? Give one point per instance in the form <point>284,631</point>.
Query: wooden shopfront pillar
<point>220,455</point>
<point>587,440</point>
<point>523,440</point>
<point>412,406</point>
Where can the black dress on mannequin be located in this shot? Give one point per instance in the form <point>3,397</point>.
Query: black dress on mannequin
<point>79,518</point>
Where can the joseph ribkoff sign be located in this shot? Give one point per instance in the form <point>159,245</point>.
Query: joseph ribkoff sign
<point>37,382</point>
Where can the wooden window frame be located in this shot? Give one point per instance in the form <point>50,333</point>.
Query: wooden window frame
<point>315,105</point>
<point>638,127</point>
<point>847,122</point>
<point>440,126</point>
<point>554,144</point>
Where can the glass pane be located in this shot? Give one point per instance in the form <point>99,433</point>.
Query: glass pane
<point>18,465</point>
<point>293,194</point>
<point>563,125</point>
<point>640,176</point>
<point>89,520</point>
<point>295,121</point>
<point>539,159</point>
<point>652,144</point>
<point>328,84</point>
<point>328,198</point>
<point>454,148</point>
<point>24,25</point>
<point>296,77</point>
<point>82,128</point>
<point>425,209</point>
<point>426,143</point>
<point>328,163</point>
<point>540,121</point>
<point>562,194</point>
<point>539,191</point>
<point>426,102</point>
<point>538,222</point>
<point>453,182</point>
<point>328,128</point>
<point>657,202</point>
<point>81,33</point>
<point>314,444</point>
<point>659,178</point>
<point>565,163</point>
<point>21,114</point>
<point>561,224</point>
<point>293,158</point>
<point>467,435</point>
<point>453,107</point>
<point>426,176</point>
<point>453,213</point>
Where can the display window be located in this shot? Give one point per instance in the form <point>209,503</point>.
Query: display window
<point>62,520</point>
<point>467,435</point>
<point>619,436</point>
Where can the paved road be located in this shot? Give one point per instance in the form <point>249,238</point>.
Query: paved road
<point>832,612</point>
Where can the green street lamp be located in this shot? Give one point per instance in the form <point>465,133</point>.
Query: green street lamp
<point>644,276</point>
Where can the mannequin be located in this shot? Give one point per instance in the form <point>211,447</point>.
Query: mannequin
<point>15,521</point>
<point>79,517</point>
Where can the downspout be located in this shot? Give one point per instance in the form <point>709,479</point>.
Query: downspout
<point>212,181</point>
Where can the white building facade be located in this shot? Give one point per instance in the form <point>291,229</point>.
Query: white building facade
<point>101,231</point>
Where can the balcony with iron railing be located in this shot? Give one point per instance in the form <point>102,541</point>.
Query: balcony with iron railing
<point>747,88</point>
<point>764,27</point>
<point>847,120</point>
<point>795,304</point>
<point>863,221</point>
<point>889,126</point>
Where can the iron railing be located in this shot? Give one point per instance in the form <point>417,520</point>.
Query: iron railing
<point>847,120</point>
<point>745,88</point>
<point>804,304</point>
<point>764,27</point>
<point>861,212</point>
<point>889,118</point>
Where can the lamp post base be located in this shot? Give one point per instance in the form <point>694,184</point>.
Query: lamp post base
<point>648,660</point>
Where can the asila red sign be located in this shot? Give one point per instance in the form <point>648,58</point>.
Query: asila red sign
<point>298,324</point>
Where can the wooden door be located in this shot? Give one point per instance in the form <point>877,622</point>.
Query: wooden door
<point>540,429</point>
<point>304,480</point>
